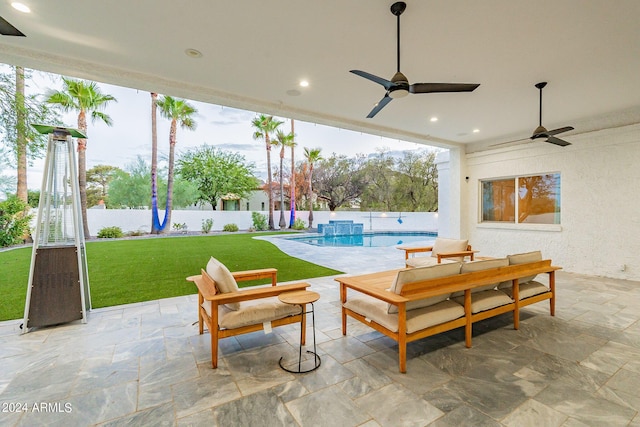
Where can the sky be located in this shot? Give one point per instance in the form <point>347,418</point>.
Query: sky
<point>224,127</point>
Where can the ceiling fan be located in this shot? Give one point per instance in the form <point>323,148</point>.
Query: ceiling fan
<point>399,86</point>
<point>542,132</point>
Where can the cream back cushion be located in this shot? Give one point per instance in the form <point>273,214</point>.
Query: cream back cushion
<point>444,245</point>
<point>224,280</point>
<point>422,273</point>
<point>473,266</point>
<point>522,258</point>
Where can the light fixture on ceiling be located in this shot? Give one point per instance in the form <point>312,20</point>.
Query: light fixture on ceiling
<point>304,83</point>
<point>433,119</point>
<point>21,7</point>
<point>476,130</point>
<point>193,53</point>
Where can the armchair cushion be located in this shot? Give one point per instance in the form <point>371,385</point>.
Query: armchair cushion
<point>418,274</point>
<point>224,280</point>
<point>444,245</point>
<point>252,312</point>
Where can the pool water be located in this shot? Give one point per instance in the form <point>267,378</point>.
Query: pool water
<point>375,239</point>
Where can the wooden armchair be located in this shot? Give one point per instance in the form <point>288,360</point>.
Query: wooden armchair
<point>442,249</point>
<point>239,311</point>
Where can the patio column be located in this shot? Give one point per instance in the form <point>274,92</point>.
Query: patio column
<point>451,167</point>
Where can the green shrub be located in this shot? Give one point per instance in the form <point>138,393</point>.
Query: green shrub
<point>110,233</point>
<point>299,224</point>
<point>180,227</point>
<point>230,227</point>
<point>259,221</point>
<point>14,224</point>
<point>206,225</point>
<point>139,232</point>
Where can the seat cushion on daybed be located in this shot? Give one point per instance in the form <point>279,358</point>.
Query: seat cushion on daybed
<point>527,290</point>
<point>417,274</point>
<point>418,319</point>
<point>486,300</point>
<point>473,266</point>
<point>253,312</point>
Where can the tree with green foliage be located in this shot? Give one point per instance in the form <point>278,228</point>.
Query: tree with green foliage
<point>98,179</point>
<point>14,224</point>
<point>340,180</point>
<point>87,99</point>
<point>18,110</point>
<point>282,140</point>
<point>130,188</point>
<point>380,172</point>
<point>416,182</point>
<point>216,173</point>
<point>312,156</point>
<point>264,127</point>
<point>177,111</point>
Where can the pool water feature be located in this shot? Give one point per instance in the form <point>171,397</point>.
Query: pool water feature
<point>372,239</point>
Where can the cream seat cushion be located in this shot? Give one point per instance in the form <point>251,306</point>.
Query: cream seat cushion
<point>225,282</point>
<point>473,266</point>
<point>418,319</point>
<point>486,300</point>
<point>526,290</point>
<point>417,274</point>
<point>252,312</point>
<point>522,258</point>
<point>425,261</point>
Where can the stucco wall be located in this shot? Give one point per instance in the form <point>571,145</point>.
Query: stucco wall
<point>133,219</point>
<point>600,208</point>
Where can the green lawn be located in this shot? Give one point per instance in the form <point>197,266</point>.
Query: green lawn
<point>127,271</point>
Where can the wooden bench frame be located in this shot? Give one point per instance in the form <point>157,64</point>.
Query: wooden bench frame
<point>376,285</point>
<point>408,250</point>
<point>207,291</point>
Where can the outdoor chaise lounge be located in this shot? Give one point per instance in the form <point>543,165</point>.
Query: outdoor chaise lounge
<point>228,310</point>
<point>443,249</point>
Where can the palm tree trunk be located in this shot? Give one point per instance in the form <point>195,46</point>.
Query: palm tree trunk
<point>154,166</point>
<point>21,142</point>
<point>82,171</point>
<point>172,149</point>
<point>269,183</point>
<point>310,197</point>
<point>282,223</point>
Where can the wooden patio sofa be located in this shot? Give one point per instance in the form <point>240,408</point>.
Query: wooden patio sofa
<point>411,304</point>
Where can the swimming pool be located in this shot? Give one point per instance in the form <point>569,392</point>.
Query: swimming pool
<point>373,239</point>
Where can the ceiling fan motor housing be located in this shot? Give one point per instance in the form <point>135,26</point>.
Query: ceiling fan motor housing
<point>400,86</point>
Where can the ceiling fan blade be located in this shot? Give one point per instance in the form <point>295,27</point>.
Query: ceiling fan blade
<point>558,141</point>
<point>384,82</point>
<point>379,106</point>
<point>442,87</point>
<point>6,29</point>
<point>514,141</point>
<point>559,130</point>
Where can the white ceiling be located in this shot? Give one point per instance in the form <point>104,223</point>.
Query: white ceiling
<point>255,51</point>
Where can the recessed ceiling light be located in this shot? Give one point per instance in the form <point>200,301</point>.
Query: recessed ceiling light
<point>476,130</point>
<point>433,119</point>
<point>21,7</point>
<point>304,83</point>
<point>193,53</point>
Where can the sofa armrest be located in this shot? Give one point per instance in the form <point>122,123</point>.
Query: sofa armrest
<point>248,294</point>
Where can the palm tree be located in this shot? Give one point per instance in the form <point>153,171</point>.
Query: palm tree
<point>85,98</point>
<point>292,217</point>
<point>265,126</point>
<point>176,110</point>
<point>156,226</point>
<point>282,140</point>
<point>21,138</point>
<point>312,155</point>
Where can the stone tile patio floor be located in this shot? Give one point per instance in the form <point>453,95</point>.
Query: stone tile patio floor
<point>145,364</point>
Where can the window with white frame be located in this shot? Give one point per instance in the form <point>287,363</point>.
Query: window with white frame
<point>533,199</point>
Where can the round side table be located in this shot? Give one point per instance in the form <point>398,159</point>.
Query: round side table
<point>302,298</point>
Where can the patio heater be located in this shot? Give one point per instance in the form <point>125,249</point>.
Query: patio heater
<point>58,290</point>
